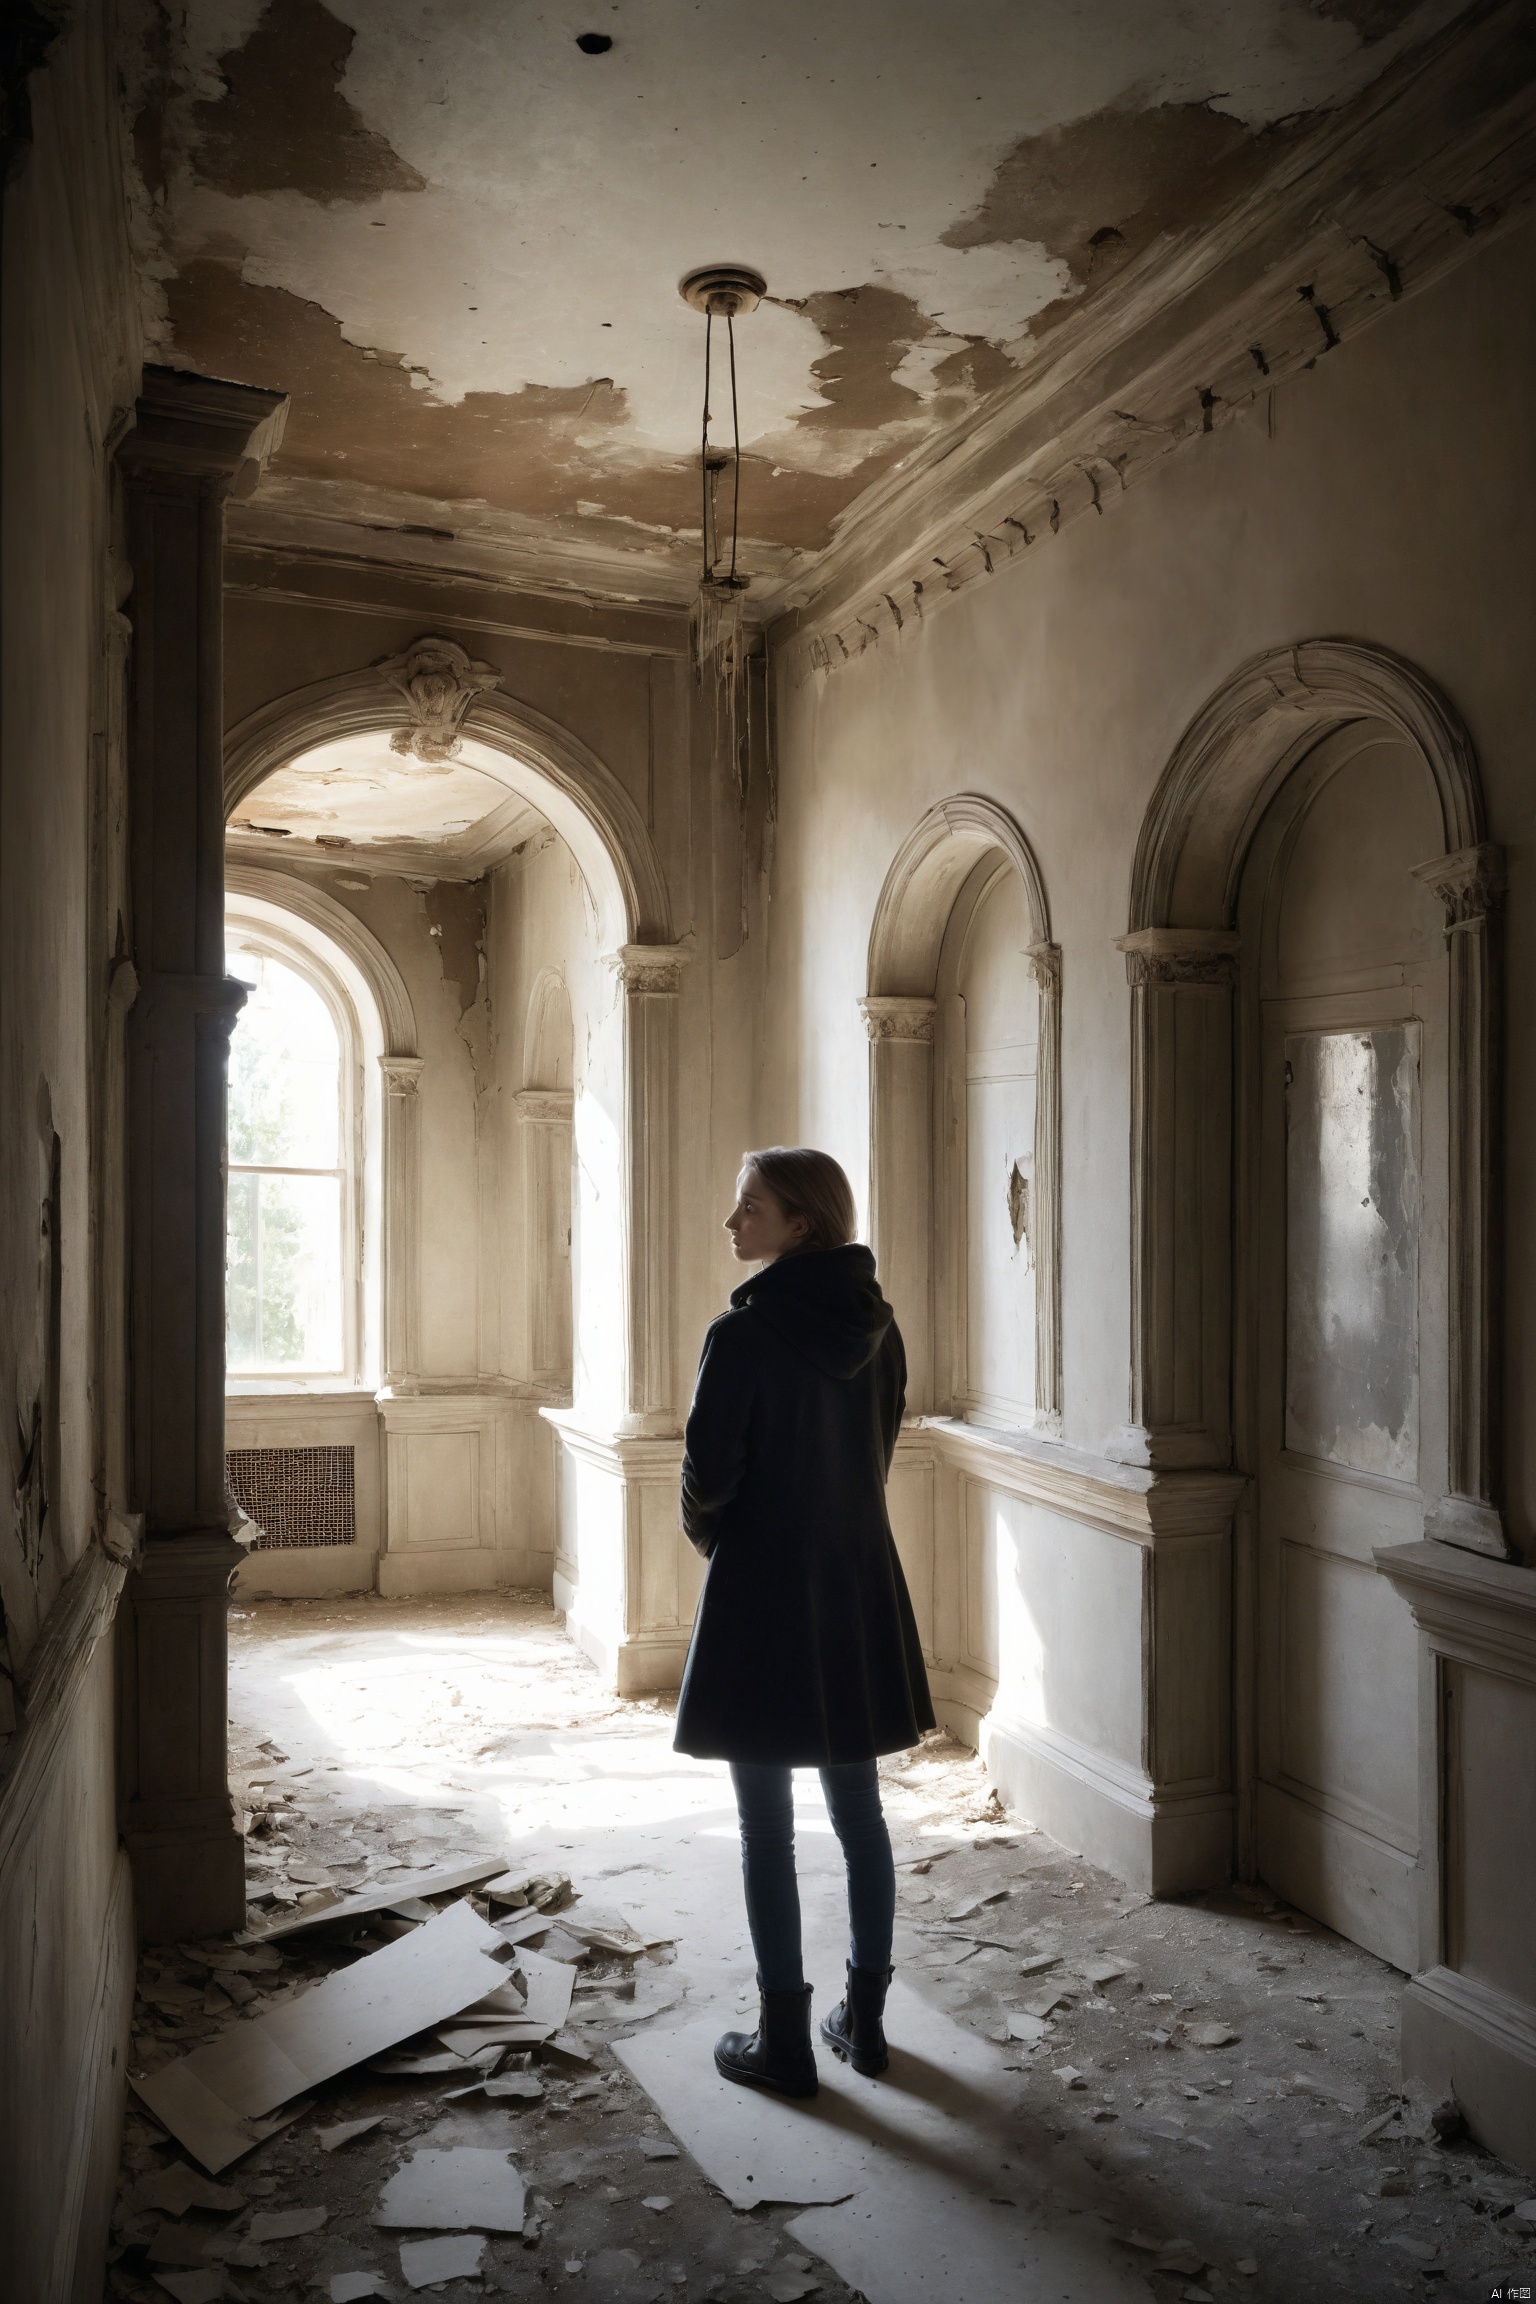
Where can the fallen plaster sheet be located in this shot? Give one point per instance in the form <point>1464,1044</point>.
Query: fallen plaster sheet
<point>550,1985</point>
<point>332,2139</point>
<point>467,2041</point>
<point>923,2187</point>
<point>411,1887</point>
<point>518,1927</point>
<point>463,2190</point>
<point>211,2099</point>
<point>428,2263</point>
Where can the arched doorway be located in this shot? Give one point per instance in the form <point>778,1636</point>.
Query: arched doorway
<point>1315,852</point>
<point>464,1399</point>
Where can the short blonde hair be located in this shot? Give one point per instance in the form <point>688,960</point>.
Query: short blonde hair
<point>809,1184</point>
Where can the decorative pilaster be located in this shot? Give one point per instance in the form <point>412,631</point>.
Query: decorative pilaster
<point>1469,2011</point>
<point>402,1219</point>
<point>651,976</point>
<point>1181,983</point>
<point>900,1028</point>
<point>1045,966</point>
<point>1470,884</point>
<point>544,1116</point>
<point>192,440</point>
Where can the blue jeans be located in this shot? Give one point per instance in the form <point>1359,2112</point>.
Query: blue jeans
<point>765,1800</point>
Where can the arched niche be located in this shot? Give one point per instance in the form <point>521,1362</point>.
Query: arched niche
<point>946,853</point>
<point>1182,958</point>
<point>589,807</point>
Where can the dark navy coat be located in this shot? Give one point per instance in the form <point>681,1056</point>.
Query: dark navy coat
<point>804,1648</point>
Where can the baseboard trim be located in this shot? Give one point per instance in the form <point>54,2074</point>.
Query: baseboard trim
<point>1344,1875</point>
<point>421,1572</point>
<point>1468,2040</point>
<point>1156,1840</point>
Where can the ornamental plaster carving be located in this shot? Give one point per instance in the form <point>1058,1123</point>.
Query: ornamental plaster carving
<point>402,1074</point>
<point>439,681</point>
<point>653,968</point>
<point>545,1107</point>
<point>1045,967</point>
<point>893,1016</point>
<point>1469,883</point>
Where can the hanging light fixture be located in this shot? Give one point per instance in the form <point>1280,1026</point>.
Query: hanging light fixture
<point>722,292</point>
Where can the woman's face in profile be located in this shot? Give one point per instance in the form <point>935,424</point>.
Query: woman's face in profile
<point>758,1226</point>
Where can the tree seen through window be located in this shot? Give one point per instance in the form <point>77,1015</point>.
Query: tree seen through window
<point>285,1263</point>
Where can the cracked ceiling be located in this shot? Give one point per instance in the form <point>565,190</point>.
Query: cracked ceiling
<point>454,236</point>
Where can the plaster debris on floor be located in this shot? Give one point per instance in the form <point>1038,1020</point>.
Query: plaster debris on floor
<point>463,2045</point>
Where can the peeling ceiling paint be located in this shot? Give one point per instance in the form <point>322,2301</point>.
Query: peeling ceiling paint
<point>389,809</point>
<point>454,238</point>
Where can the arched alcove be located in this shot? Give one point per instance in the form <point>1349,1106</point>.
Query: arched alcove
<point>1313,1252</point>
<point>619,1434</point>
<point>954,857</point>
<point>1182,954</point>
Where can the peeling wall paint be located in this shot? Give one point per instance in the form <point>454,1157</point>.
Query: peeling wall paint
<point>456,240</point>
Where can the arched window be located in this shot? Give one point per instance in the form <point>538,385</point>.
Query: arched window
<point>294,1291</point>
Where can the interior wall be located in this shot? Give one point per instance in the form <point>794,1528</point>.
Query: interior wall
<point>1363,503</point>
<point>70,357</point>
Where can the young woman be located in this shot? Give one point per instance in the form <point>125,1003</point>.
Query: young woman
<point>804,1653</point>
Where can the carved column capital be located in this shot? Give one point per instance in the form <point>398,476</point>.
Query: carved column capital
<point>1180,955</point>
<point>439,681</point>
<point>898,1016</point>
<point>1045,966</point>
<point>653,968</point>
<point>402,1074</point>
<point>545,1107</point>
<point>201,429</point>
<point>1469,883</point>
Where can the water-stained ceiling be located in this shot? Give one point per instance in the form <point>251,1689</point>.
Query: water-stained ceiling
<point>454,234</point>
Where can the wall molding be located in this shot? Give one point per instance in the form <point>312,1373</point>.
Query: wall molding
<point>1242,744</point>
<point>1135,1503</point>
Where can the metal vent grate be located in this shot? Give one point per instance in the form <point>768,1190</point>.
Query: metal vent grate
<point>296,1496</point>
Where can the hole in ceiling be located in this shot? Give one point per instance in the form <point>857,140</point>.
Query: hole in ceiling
<point>593,43</point>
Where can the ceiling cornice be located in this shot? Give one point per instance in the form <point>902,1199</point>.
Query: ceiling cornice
<point>1387,198</point>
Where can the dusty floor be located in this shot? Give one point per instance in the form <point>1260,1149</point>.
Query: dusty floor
<point>370,1737</point>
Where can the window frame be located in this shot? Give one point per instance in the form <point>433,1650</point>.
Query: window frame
<point>244,934</point>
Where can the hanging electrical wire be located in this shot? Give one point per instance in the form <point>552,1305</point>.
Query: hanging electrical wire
<point>722,292</point>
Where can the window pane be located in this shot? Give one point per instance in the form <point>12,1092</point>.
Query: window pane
<point>284,1070</point>
<point>285,1274</point>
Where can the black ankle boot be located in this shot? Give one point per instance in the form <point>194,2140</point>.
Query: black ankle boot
<point>778,2054</point>
<point>854,2029</point>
